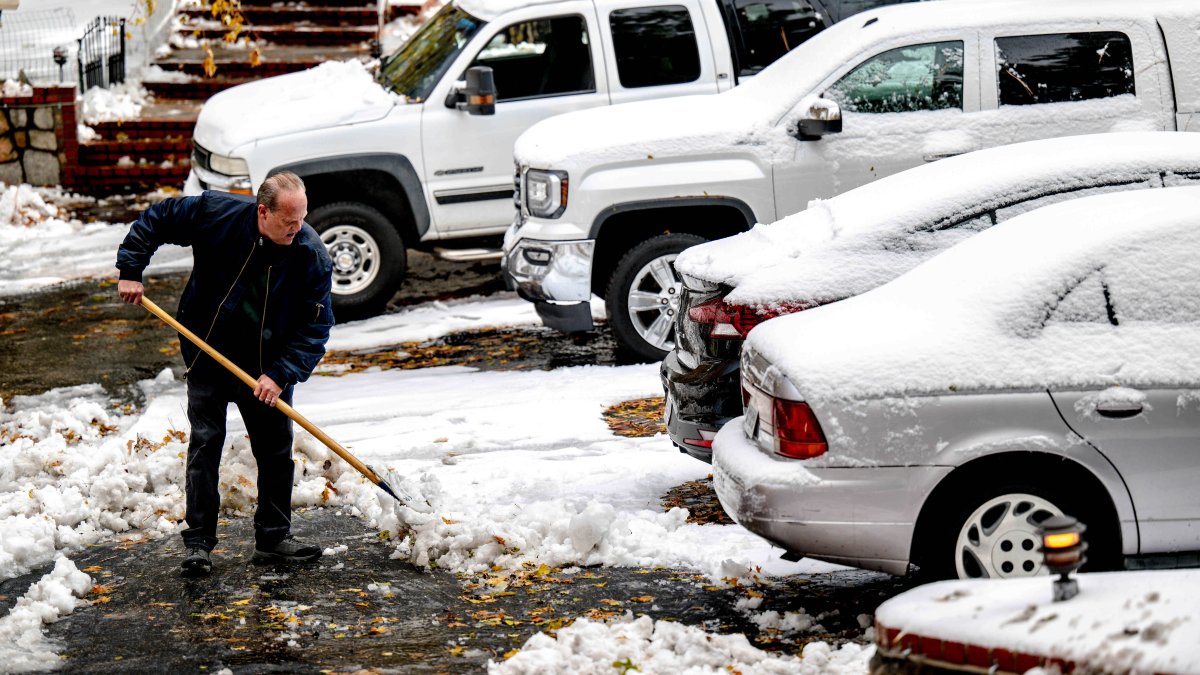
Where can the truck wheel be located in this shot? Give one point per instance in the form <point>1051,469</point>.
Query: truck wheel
<point>368,257</point>
<point>643,295</point>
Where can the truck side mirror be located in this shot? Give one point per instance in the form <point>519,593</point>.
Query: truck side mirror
<point>477,95</point>
<point>823,117</point>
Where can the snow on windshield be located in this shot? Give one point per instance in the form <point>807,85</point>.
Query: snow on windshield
<point>986,314</point>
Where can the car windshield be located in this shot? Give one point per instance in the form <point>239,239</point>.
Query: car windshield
<point>414,69</point>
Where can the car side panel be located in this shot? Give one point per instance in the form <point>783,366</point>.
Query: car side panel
<point>954,429</point>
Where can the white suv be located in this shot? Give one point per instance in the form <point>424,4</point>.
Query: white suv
<point>611,196</point>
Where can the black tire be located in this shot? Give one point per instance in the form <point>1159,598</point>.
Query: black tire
<point>640,333</point>
<point>942,557</point>
<point>368,254</point>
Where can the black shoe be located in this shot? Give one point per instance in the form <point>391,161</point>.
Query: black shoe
<point>288,550</point>
<point>198,563</point>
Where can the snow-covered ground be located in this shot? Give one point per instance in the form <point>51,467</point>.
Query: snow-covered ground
<point>503,467</point>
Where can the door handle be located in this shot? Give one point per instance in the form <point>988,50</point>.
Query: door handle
<point>1119,411</point>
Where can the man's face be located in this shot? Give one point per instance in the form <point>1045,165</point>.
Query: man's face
<point>283,224</point>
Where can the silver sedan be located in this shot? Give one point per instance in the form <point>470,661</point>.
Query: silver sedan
<point>1049,365</point>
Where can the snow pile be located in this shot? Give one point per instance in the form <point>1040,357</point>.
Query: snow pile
<point>42,247</point>
<point>116,103</point>
<point>23,645</point>
<point>16,88</point>
<point>333,93</point>
<point>24,213</point>
<point>74,471</point>
<point>155,73</point>
<point>520,468</point>
<point>647,646</point>
<point>1144,622</point>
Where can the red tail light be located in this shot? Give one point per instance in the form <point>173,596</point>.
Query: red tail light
<point>798,435</point>
<point>734,322</point>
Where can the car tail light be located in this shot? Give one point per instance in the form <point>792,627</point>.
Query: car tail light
<point>734,322</point>
<point>798,435</point>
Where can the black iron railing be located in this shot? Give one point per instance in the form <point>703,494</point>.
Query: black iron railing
<point>102,53</point>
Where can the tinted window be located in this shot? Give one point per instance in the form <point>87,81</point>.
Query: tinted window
<point>1063,67</point>
<point>547,57</point>
<point>920,77</point>
<point>654,45</point>
<point>768,29</point>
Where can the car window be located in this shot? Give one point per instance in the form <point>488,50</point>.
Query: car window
<point>654,46</point>
<point>919,77</point>
<point>1087,301</point>
<point>1006,212</point>
<point>1063,67</point>
<point>545,57</point>
<point>768,29</point>
<point>1175,179</point>
<point>1155,282</point>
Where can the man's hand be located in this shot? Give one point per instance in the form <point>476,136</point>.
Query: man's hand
<point>131,291</point>
<point>267,391</point>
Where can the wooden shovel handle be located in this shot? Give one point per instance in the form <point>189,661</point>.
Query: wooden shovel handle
<point>253,383</point>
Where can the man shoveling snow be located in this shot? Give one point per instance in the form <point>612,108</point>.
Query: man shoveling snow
<point>260,294</point>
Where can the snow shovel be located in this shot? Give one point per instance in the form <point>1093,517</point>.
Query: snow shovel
<point>281,405</point>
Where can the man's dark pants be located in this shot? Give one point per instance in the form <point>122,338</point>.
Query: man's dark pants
<point>271,443</point>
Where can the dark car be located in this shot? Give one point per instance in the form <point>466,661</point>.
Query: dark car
<point>868,236</point>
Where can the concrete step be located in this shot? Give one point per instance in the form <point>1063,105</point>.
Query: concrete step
<point>276,15</point>
<point>295,34</point>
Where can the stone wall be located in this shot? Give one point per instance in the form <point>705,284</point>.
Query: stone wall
<point>38,136</point>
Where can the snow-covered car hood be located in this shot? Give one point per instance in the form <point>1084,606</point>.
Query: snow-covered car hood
<point>864,238</point>
<point>646,130</point>
<point>993,312</point>
<point>331,94</point>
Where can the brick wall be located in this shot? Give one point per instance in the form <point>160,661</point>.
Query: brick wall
<point>38,136</point>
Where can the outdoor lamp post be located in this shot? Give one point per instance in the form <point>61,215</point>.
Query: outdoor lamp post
<point>1063,547</point>
<point>60,57</point>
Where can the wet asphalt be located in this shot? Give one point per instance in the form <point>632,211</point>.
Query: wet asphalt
<point>358,610</point>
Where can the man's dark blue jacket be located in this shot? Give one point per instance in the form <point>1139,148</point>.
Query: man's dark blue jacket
<point>222,230</point>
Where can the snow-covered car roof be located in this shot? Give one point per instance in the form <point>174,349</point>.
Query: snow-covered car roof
<point>863,238</point>
<point>1029,304</point>
<point>747,117</point>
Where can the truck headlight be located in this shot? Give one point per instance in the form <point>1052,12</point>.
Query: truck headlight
<point>546,193</point>
<point>230,166</point>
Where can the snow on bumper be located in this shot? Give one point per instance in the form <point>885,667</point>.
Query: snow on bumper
<point>860,516</point>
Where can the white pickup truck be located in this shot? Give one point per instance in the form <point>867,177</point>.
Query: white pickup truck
<point>421,157</point>
<point>610,197</point>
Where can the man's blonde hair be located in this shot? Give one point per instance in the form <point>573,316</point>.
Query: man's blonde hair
<point>268,192</point>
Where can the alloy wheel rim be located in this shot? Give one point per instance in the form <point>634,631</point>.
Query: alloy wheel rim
<point>1000,539</point>
<point>356,258</point>
<point>654,301</point>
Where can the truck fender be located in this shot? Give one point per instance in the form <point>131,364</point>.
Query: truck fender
<point>672,202</point>
<point>395,165</point>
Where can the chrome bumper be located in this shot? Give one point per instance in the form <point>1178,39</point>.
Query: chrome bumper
<point>551,271</point>
<point>863,517</point>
